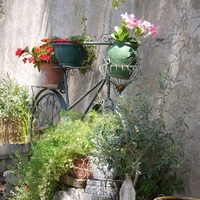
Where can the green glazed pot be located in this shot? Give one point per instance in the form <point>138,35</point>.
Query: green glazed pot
<point>120,72</point>
<point>69,54</point>
<point>123,56</point>
<point>122,53</point>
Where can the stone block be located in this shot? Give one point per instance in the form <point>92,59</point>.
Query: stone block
<point>76,183</point>
<point>101,189</point>
<point>70,194</point>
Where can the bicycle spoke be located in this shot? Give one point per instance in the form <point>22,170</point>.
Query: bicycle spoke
<point>46,112</point>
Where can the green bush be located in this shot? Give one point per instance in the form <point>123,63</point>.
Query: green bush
<point>136,138</point>
<point>51,158</point>
<point>14,111</point>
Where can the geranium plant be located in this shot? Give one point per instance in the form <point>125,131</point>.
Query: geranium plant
<point>39,54</point>
<point>133,30</point>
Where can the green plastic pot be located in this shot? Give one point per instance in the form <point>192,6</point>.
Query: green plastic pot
<point>68,53</point>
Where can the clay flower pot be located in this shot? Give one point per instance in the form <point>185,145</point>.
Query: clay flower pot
<point>49,75</point>
<point>82,169</point>
<point>174,198</point>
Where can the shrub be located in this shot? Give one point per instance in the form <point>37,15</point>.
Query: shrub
<point>51,158</point>
<point>136,138</point>
<point>14,111</point>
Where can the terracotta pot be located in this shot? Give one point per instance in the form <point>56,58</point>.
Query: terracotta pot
<point>82,169</point>
<point>174,198</point>
<point>49,75</point>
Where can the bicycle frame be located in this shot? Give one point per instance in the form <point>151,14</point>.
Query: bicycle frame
<point>99,84</point>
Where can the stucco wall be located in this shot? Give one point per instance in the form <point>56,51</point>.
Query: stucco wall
<point>25,22</point>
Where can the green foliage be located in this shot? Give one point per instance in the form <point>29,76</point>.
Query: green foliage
<point>90,49</point>
<point>14,108</point>
<point>137,139</point>
<point>52,157</point>
<point>115,3</point>
<point>122,34</point>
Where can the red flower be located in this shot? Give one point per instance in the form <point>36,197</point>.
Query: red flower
<point>39,54</point>
<point>27,188</point>
<point>47,40</point>
<point>19,52</point>
<point>45,57</point>
<point>49,50</point>
<point>24,60</point>
<point>32,59</point>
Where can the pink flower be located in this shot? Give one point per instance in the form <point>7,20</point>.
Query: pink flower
<point>126,16</point>
<point>138,22</point>
<point>153,30</point>
<point>131,25</point>
<point>133,29</point>
<point>146,25</point>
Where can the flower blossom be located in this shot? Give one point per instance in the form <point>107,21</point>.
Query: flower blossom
<point>133,30</point>
<point>19,52</point>
<point>39,54</point>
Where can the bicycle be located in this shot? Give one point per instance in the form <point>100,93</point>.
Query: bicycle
<point>49,101</point>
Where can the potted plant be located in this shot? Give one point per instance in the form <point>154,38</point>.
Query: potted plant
<point>123,54</point>
<point>75,53</point>
<point>43,58</point>
<point>52,157</point>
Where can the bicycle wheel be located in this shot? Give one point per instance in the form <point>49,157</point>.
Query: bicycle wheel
<point>45,112</point>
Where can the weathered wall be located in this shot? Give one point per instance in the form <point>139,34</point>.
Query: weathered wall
<point>177,46</point>
<point>24,23</point>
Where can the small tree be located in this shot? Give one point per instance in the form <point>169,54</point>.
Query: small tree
<point>137,139</point>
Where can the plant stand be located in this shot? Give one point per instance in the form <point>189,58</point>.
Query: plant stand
<point>122,76</point>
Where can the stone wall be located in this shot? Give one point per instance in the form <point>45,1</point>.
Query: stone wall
<point>24,23</point>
